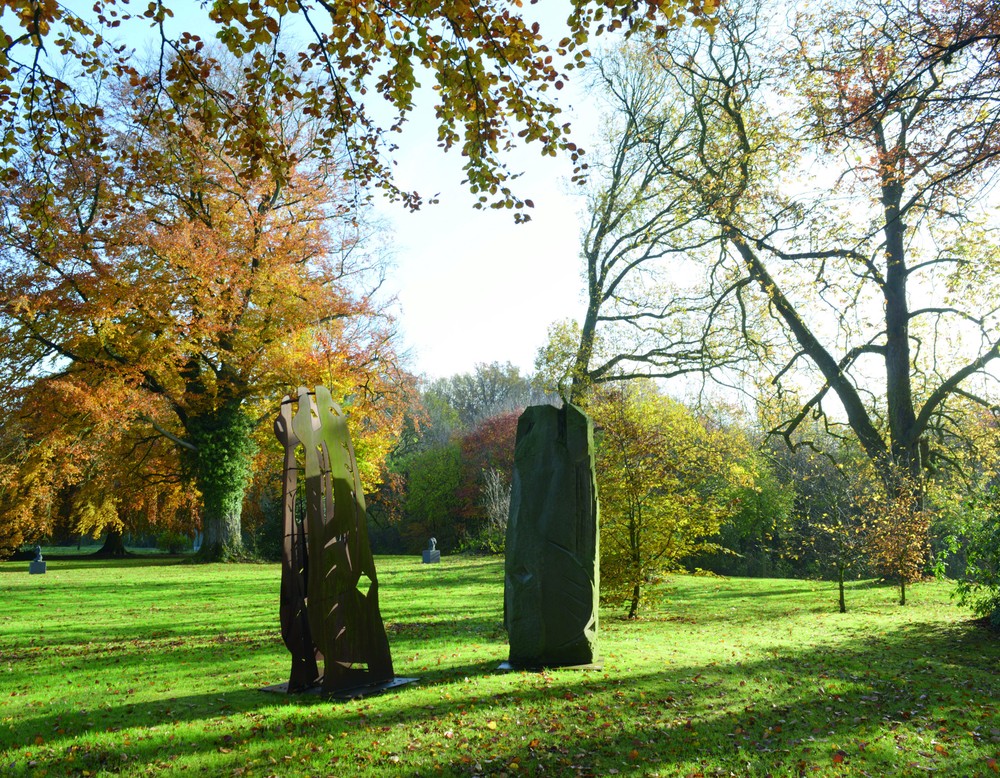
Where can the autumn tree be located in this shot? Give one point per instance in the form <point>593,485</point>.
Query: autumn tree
<point>849,215</point>
<point>754,538</point>
<point>662,478</point>
<point>487,473</point>
<point>897,533</point>
<point>829,536</point>
<point>159,296</point>
<point>489,64</point>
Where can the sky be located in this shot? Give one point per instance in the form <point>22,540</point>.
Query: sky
<point>473,286</point>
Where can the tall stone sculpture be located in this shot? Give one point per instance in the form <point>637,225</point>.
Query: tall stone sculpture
<point>551,575</point>
<point>329,608</point>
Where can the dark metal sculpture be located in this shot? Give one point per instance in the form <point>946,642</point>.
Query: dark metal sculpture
<point>329,608</point>
<point>551,573</point>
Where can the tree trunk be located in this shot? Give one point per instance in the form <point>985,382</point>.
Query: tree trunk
<point>840,581</point>
<point>223,533</point>
<point>902,591</point>
<point>222,466</point>
<point>902,418</point>
<point>634,608</point>
<point>581,379</point>
<point>114,546</point>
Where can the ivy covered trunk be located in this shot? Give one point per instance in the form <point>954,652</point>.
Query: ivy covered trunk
<point>221,462</point>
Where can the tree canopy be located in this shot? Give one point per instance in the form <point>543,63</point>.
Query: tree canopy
<point>664,481</point>
<point>157,300</point>
<point>493,72</point>
<point>833,168</point>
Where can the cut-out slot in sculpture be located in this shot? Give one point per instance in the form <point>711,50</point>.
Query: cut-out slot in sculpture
<point>329,608</point>
<point>551,572</point>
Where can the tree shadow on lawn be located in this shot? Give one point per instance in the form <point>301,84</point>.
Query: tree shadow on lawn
<point>735,588</point>
<point>917,698</point>
<point>56,563</point>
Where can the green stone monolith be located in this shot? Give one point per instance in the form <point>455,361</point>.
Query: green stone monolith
<point>551,574</point>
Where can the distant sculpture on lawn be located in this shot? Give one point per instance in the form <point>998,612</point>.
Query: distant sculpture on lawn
<point>551,574</point>
<point>325,614</point>
<point>37,565</point>
<point>431,554</point>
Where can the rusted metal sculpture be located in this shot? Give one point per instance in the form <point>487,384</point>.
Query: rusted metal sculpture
<point>326,615</point>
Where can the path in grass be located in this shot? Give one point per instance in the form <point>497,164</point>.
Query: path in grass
<point>142,667</point>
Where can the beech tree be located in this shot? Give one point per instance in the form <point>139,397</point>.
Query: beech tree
<point>836,166</point>
<point>491,69</point>
<point>158,298</point>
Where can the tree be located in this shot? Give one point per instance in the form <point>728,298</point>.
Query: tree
<point>490,67</point>
<point>754,537</point>
<point>495,502</point>
<point>897,533</point>
<point>431,503</point>
<point>490,390</point>
<point>159,297</point>
<point>848,214</point>
<point>979,583</point>
<point>831,533</point>
<point>661,476</point>
<point>639,229</point>
<point>487,473</point>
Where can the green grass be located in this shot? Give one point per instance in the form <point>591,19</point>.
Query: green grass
<point>152,666</point>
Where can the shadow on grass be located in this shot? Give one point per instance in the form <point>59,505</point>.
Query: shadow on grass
<point>91,562</point>
<point>918,698</point>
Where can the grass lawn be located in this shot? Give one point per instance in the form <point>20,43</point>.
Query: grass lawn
<point>153,666</point>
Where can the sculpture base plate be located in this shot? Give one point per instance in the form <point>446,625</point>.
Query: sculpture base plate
<point>539,667</point>
<point>353,693</point>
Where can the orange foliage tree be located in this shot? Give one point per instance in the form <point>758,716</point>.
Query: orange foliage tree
<point>897,533</point>
<point>160,294</point>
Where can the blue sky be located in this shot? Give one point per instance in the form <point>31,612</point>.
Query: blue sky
<point>474,286</point>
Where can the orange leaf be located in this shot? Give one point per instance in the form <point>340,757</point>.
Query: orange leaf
<point>992,764</point>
